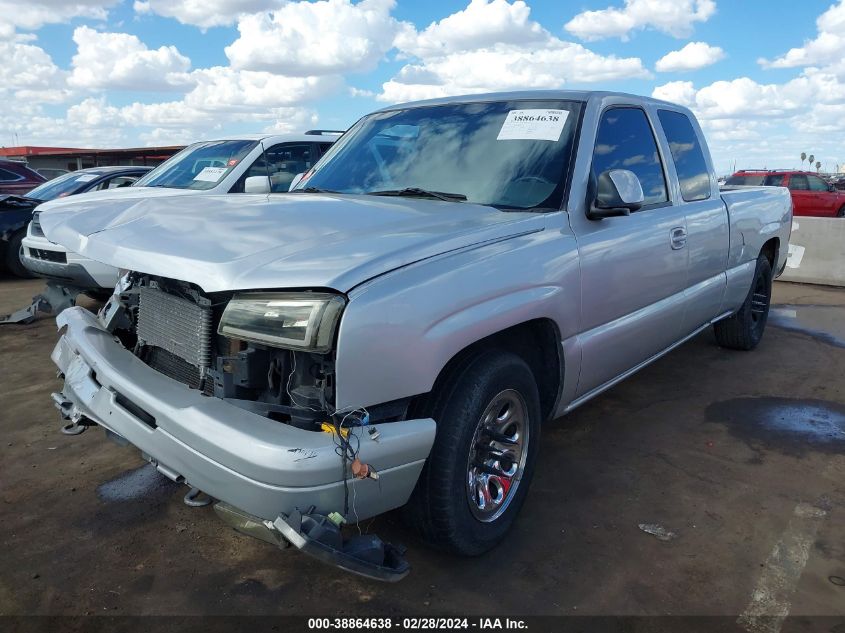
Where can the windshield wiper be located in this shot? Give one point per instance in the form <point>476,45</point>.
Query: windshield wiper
<point>311,190</point>
<point>416,192</point>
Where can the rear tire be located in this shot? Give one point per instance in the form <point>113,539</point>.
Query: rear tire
<point>744,330</point>
<point>841,212</point>
<point>13,256</point>
<point>464,501</point>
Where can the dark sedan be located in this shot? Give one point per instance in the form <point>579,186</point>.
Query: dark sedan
<point>16,210</point>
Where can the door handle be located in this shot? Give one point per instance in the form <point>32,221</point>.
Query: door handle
<point>678,237</point>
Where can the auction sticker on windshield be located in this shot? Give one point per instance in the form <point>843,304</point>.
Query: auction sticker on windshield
<point>86,177</point>
<point>533,125</point>
<point>210,174</point>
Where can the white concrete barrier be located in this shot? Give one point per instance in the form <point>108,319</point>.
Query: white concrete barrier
<point>816,252</point>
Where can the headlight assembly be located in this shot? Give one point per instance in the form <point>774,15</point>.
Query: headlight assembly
<point>291,320</point>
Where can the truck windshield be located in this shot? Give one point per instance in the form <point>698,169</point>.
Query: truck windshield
<point>198,166</point>
<point>507,154</point>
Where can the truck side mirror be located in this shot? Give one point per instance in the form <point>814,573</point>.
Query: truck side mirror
<point>257,184</point>
<point>618,193</point>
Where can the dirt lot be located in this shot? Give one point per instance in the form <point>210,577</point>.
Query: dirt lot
<point>739,455</point>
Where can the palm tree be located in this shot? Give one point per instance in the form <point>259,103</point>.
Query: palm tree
<point>818,165</point>
<point>810,160</point>
<point>803,158</point>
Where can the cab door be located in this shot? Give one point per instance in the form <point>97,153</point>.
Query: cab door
<point>708,239</point>
<point>633,268</point>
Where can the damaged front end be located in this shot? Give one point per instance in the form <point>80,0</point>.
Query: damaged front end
<point>234,394</point>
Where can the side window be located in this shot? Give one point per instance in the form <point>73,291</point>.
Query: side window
<point>798,182</point>
<point>9,176</point>
<point>817,184</point>
<point>686,153</point>
<point>773,181</point>
<point>117,182</point>
<point>282,163</point>
<point>625,141</point>
<point>323,147</point>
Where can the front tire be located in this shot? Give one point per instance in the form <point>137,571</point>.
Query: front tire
<point>744,330</point>
<point>479,469</point>
<point>13,256</point>
<point>841,212</point>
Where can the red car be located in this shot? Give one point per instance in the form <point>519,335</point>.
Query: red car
<point>16,178</point>
<point>810,194</point>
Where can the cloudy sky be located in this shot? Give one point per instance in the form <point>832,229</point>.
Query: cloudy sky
<point>766,78</point>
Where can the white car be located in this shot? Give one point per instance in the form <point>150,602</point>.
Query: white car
<point>243,164</point>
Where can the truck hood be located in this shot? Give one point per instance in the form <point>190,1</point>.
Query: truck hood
<point>240,242</point>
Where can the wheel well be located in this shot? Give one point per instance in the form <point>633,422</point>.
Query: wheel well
<point>770,250</point>
<point>537,342</point>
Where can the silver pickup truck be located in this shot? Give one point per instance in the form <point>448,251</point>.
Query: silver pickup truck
<point>450,276</point>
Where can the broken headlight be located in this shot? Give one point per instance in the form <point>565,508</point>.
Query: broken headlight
<point>302,320</point>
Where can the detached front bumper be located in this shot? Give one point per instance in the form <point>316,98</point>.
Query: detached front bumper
<point>263,467</point>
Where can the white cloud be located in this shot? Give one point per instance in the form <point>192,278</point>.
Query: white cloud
<point>120,61</point>
<point>827,48</point>
<point>673,17</point>
<point>204,13</point>
<point>291,121</point>
<point>96,122</point>
<point>315,38</point>
<point>222,98</point>
<point>26,66</point>
<point>161,136</point>
<point>492,46</point>
<point>31,15</point>
<point>680,92</point>
<point>549,64</point>
<point>29,75</point>
<point>767,125</point>
<point>744,98</point>
<point>224,89</point>
<point>27,124</point>
<point>693,56</point>
<point>482,24</point>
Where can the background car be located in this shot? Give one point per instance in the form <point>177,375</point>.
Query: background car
<point>838,182</point>
<point>747,178</point>
<point>17,211</point>
<point>16,178</point>
<point>811,195</point>
<point>244,164</point>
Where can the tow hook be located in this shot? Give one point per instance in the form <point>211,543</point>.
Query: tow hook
<point>196,498</point>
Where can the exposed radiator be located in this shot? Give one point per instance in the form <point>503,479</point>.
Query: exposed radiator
<point>174,367</point>
<point>176,325</point>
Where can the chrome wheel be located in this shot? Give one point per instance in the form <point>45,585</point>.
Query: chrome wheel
<point>497,455</point>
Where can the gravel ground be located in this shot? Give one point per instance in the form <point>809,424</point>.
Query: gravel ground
<point>734,459</point>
